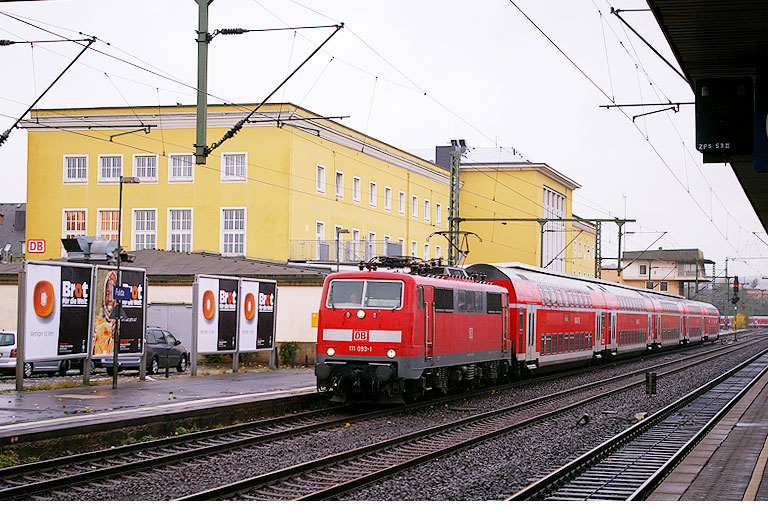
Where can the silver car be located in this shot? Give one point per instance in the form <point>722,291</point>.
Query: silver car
<point>8,359</point>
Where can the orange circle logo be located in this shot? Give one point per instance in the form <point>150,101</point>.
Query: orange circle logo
<point>42,299</point>
<point>209,305</point>
<point>249,306</point>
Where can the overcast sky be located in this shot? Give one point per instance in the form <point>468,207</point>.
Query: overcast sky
<point>416,75</point>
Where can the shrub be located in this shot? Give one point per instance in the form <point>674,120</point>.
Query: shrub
<point>287,349</point>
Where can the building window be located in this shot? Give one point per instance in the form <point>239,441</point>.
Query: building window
<point>356,189</point>
<point>372,194</point>
<point>145,167</point>
<point>74,223</point>
<point>649,285</point>
<point>426,210</point>
<point>110,168</point>
<point>320,253</point>
<point>320,179</point>
<point>233,231</point>
<point>355,250</point>
<point>663,286</point>
<point>180,168</point>
<point>233,167</point>
<point>553,244</point>
<point>144,229</point>
<point>339,184</point>
<point>370,250</point>
<point>438,213</point>
<point>76,169</point>
<point>414,206</point>
<point>387,242</point>
<point>388,199</point>
<point>414,248</point>
<point>426,251</point>
<point>180,230</point>
<point>401,243</point>
<point>438,252</point>
<point>401,202</point>
<point>108,224</point>
<point>643,270</point>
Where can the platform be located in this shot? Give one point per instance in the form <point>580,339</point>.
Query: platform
<point>729,464</point>
<point>30,415</point>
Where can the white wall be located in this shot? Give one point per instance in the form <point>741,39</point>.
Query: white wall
<point>8,306</point>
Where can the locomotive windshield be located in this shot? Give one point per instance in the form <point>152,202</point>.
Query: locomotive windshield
<point>353,294</point>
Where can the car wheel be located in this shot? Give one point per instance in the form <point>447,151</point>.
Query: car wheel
<point>154,366</point>
<point>27,369</point>
<point>182,364</point>
<point>63,368</point>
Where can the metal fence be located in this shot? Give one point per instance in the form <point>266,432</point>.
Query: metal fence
<point>348,250</point>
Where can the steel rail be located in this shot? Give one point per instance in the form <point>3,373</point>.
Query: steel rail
<point>547,485</point>
<point>35,478</point>
<point>332,475</point>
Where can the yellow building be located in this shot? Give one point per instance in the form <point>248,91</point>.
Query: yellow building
<point>289,186</point>
<point>278,190</point>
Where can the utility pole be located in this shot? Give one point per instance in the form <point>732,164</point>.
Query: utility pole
<point>203,38</point>
<point>458,147</point>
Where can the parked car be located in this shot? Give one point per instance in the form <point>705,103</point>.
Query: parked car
<point>8,347</point>
<point>162,346</point>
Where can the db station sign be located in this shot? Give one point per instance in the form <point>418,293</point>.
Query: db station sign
<point>36,246</point>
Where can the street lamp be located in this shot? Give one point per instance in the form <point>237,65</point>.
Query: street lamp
<point>119,307</point>
<point>339,231</point>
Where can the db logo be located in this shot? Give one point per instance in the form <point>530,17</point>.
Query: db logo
<point>36,246</point>
<point>360,336</point>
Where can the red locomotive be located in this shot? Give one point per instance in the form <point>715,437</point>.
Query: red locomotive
<point>394,335</point>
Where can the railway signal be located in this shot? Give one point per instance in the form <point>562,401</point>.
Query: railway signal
<point>736,286</point>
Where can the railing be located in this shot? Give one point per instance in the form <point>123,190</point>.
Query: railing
<point>349,251</point>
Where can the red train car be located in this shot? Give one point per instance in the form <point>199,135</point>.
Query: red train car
<point>393,335</point>
<point>388,334</point>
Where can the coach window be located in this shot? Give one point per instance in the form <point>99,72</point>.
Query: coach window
<point>549,344</point>
<point>444,300</point>
<point>567,343</point>
<point>421,297</point>
<point>479,301</point>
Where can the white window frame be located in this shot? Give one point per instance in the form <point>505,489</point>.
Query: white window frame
<point>181,179</point>
<point>339,185</point>
<point>107,234</point>
<point>415,206</point>
<point>387,198</point>
<point>371,244</point>
<point>643,269</point>
<point>76,233</point>
<point>427,206</point>
<point>438,213</point>
<point>438,252</point>
<point>135,232</point>
<point>355,245</point>
<point>663,286</point>
<point>320,179</point>
<point>236,178</point>
<point>182,232</point>
<point>426,250</point>
<point>373,199</point>
<point>401,242</point>
<point>65,175</point>
<point>356,189</point>
<point>319,237</point>
<point>401,202</point>
<point>222,233</point>
<point>144,179</point>
<point>99,178</point>
<point>387,241</point>
<point>414,248</point>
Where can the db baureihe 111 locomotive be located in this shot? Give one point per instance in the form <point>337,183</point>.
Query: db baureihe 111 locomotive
<point>393,335</point>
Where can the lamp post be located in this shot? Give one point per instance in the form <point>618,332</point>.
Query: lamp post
<point>339,231</point>
<point>119,307</point>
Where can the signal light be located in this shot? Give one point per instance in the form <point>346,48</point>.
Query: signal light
<point>735,284</point>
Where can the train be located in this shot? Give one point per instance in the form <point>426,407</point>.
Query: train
<point>392,335</point>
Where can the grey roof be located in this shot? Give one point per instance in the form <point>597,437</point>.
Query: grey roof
<point>677,256</point>
<point>13,227</point>
<point>179,267</point>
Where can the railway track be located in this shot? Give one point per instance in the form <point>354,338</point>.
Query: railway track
<point>336,474</point>
<point>25,481</point>
<point>630,465</point>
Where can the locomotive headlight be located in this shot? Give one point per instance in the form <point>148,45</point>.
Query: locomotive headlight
<point>361,314</point>
<point>331,351</point>
<point>391,353</point>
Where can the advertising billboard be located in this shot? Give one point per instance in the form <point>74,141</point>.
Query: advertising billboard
<point>249,314</point>
<point>132,324</point>
<point>265,336</point>
<point>57,303</point>
<point>216,310</point>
